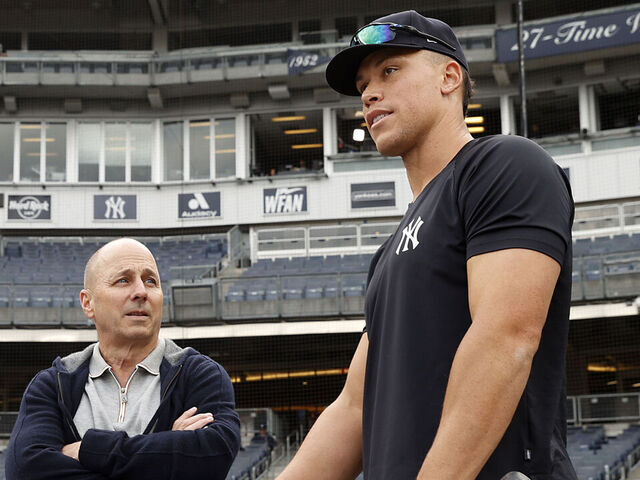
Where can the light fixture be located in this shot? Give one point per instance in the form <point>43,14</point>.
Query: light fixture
<point>474,106</point>
<point>636,385</point>
<point>474,120</point>
<point>306,145</point>
<point>594,367</point>
<point>291,118</point>
<point>226,150</point>
<point>226,135</point>
<point>612,382</point>
<point>199,124</point>
<point>283,375</point>
<point>359,114</point>
<point>300,131</point>
<point>476,129</point>
<point>155,97</point>
<point>363,124</point>
<point>279,92</point>
<point>358,135</point>
<point>30,126</point>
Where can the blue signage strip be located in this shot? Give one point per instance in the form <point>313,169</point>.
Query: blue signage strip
<point>367,195</point>
<point>199,205</point>
<point>285,200</point>
<point>115,207</point>
<point>299,61</point>
<point>29,207</point>
<point>573,35</point>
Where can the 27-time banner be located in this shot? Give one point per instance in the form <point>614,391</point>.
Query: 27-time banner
<point>571,35</point>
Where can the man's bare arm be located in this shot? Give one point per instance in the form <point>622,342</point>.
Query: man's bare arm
<point>333,447</point>
<point>509,296</point>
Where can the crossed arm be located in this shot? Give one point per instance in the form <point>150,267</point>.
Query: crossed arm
<point>37,442</point>
<point>509,296</point>
<point>189,420</point>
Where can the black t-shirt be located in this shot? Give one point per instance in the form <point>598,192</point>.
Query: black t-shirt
<point>498,192</point>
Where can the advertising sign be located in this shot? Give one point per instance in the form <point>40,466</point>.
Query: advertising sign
<point>369,195</point>
<point>285,200</point>
<point>199,205</point>
<point>29,207</point>
<point>115,207</point>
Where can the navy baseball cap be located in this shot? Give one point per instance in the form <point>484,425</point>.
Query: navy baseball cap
<point>404,29</point>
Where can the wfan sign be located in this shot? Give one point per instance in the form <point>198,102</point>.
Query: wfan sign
<point>285,200</point>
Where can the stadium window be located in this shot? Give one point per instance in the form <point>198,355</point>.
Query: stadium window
<point>115,152</point>
<point>225,147</point>
<point>199,149</point>
<point>483,117</point>
<point>550,113</point>
<point>618,104</point>
<point>7,131</point>
<point>353,135</point>
<point>286,143</point>
<point>141,148</point>
<point>89,146</point>
<point>56,152</point>
<point>173,143</point>
<point>30,151</point>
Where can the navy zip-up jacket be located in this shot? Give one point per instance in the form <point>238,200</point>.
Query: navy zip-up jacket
<point>188,378</point>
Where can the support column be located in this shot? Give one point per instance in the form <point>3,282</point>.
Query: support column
<point>507,115</point>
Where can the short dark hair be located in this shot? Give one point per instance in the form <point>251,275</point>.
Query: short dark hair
<point>468,91</point>
<point>467,81</point>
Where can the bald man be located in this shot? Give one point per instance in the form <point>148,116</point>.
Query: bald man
<point>132,405</point>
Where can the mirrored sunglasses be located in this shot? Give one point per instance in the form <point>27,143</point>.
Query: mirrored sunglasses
<point>377,33</point>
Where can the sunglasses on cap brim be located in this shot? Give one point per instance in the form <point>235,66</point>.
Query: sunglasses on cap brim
<point>377,33</point>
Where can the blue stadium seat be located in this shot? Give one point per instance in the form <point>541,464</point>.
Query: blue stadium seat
<point>21,297</point>
<point>40,297</point>
<point>5,296</point>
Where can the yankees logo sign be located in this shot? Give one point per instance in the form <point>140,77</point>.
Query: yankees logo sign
<point>410,236</point>
<point>114,207</point>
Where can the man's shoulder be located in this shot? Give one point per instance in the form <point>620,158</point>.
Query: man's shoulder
<point>516,145</point>
<point>188,356</point>
<point>504,155</point>
<point>75,360</point>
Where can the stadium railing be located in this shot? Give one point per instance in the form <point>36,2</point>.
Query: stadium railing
<point>146,68</point>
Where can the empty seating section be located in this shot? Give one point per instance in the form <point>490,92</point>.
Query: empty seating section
<point>252,460</point>
<point>297,287</point>
<point>36,274</point>
<point>606,267</point>
<point>598,457</point>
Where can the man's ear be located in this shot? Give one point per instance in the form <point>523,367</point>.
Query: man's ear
<point>452,77</point>
<point>86,300</point>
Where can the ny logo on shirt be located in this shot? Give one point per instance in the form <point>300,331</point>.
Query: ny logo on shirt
<point>410,234</point>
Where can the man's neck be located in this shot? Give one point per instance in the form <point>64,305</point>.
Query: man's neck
<point>429,158</point>
<point>123,358</point>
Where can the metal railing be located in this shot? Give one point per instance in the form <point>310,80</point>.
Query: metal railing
<point>308,241</point>
<point>602,408</point>
<point>184,66</point>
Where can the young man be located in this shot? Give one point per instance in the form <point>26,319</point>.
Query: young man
<point>131,405</point>
<point>461,371</point>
